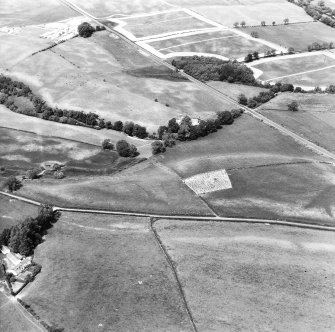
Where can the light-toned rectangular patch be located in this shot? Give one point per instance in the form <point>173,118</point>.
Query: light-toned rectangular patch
<point>208,182</point>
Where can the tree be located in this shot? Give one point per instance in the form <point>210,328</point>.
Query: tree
<point>255,55</point>
<point>254,34</point>
<point>118,125</point>
<point>173,126</point>
<point>243,24</point>
<point>140,132</point>
<point>286,20</point>
<point>107,144</point>
<point>169,139</point>
<point>85,30</point>
<point>225,118</point>
<point>273,23</point>
<point>263,24</point>
<point>161,131</point>
<point>128,128</point>
<point>12,184</point>
<point>157,147</point>
<point>125,149</point>
<point>242,99</point>
<point>248,58</point>
<point>293,106</point>
<point>32,173</point>
<point>290,50</point>
<point>236,24</point>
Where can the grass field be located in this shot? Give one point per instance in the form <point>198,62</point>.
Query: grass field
<point>20,151</point>
<point>141,188</point>
<point>28,12</point>
<point>13,211</point>
<point>101,8</point>
<point>271,175</point>
<point>104,273</point>
<point>252,12</point>
<point>298,36</point>
<point>163,24</point>
<point>225,43</point>
<point>244,277</point>
<point>115,93</point>
<point>279,68</point>
<point>315,120</point>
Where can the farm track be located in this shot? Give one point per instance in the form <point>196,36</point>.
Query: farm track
<point>210,89</point>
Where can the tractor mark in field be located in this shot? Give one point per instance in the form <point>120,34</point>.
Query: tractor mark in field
<point>196,42</point>
<point>301,73</point>
<point>159,22</point>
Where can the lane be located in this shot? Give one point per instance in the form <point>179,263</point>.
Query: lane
<point>213,91</point>
<point>180,217</point>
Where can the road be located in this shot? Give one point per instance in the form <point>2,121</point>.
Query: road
<point>218,94</point>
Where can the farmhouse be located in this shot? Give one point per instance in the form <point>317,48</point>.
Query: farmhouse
<point>15,263</point>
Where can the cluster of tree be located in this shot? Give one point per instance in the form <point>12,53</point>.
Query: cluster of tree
<point>319,12</point>
<point>10,89</point>
<point>210,68</point>
<point>12,184</point>
<point>293,106</point>
<point>251,57</point>
<point>26,236</point>
<point>49,328</point>
<point>123,148</point>
<point>187,130</point>
<point>318,46</point>
<point>86,30</point>
<point>253,102</point>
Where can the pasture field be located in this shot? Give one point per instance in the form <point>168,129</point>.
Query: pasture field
<point>105,273</point>
<point>315,120</point>
<point>267,170</point>
<point>20,151</point>
<point>29,12</point>
<point>165,23</point>
<point>79,134</point>
<point>126,94</point>
<point>225,43</point>
<point>252,12</point>
<point>12,320</point>
<point>298,36</point>
<point>278,68</point>
<point>116,8</point>
<point>247,277</point>
<point>13,211</point>
<point>141,188</point>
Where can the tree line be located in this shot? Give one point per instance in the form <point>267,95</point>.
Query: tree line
<point>35,106</point>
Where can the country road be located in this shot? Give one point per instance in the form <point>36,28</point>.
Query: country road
<point>213,91</point>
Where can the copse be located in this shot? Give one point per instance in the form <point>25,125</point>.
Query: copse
<point>157,147</point>
<point>293,106</point>
<point>85,30</point>
<point>12,184</point>
<point>124,149</point>
<point>107,144</point>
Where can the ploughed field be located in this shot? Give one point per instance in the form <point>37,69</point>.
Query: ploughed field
<point>247,277</point>
<point>105,273</point>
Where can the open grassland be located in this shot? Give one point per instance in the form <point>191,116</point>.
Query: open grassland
<point>116,89</point>
<point>229,45</point>
<point>74,133</point>
<point>105,273</point>
<point>298,36</point>
<point>12,320</point>
<point>278,68</point>
<point>116,8</point>
<point>315,120</point>
<point>247,277</point>
<point>28,12</point>
<point>141,188</point>
<point>13,212</point>
<point>20,151</point>
<point>165,23</point>
<point>252,12</point>
<point>272,176</point>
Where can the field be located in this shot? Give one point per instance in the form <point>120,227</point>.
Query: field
<point>244,277</point>
<point>28,12</point>
<point>162,23</point>
<point>119,89</point>
<point>142,188</point>
<point>271,175</point>
<point>298,36</point>
<point>13,211</point>
<point>223,43</point>
<point>252,12</point>
<point>105,273</point>
<point>116,8</point>
<point>315,120</point>
<point>279,68</point>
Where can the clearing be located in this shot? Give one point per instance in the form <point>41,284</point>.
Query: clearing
<point>105,273</point>
<point>247,277</point>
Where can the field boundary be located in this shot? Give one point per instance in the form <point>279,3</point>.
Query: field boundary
<point>279,222</point>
